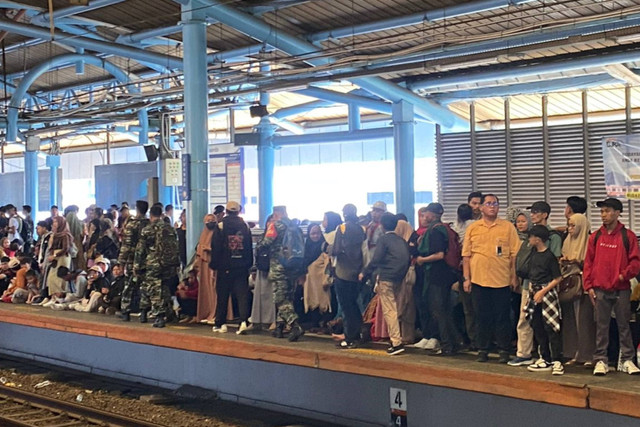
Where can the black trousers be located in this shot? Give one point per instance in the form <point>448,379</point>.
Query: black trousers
<point>189,306</point>
<point>439,297</point>
<point>228,282</point>
<point>347,293</point>
<point>549,341</point>
<point>428,323</point>
<point>493,316</point>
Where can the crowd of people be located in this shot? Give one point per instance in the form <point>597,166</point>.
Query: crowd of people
<point>482,283</point>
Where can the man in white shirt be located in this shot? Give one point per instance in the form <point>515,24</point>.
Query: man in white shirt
<point>15,224</point>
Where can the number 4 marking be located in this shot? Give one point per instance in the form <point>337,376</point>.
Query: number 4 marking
<point>398,399</point>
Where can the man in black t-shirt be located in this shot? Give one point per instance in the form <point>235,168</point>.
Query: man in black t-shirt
<point>544,306</point>
<point>438,278</point>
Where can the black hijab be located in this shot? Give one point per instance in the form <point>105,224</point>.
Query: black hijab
<point>312,250</point>
<point>333,221</point>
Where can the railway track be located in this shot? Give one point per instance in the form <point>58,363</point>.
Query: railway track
<point>19,408</point>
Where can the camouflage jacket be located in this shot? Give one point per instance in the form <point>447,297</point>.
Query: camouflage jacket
<point>130,238</point>
<point>273,238</point>
<point>156,253</point>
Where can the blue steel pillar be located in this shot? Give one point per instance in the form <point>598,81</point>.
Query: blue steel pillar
<point>403,134</point>
<point>354,118</point>
<point>53,163</point>
<point>195,116</point>
<point>31,180</point>
<point>266,166</point>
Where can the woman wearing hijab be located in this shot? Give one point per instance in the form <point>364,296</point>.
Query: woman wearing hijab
<point>578,325</point>
<point>316,287</point>
<point>58,255</point>
<point>206,305</point>
<point>76,228</point>
<point>263,309</point>
<point>404,298</point>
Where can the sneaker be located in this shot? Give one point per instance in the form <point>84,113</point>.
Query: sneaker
<point>346,345</point>
<point>520,361</point>
<point>242,329</point>
<point>600,369</point>
<point>44,301</point>
<point>558,369</point>
<point>296,333</point>
<point>540,366</point>
<point>422,343</point>
<point>49,303</point>
<point>398,349</point>
<point>432,344</point>
<point>630,368</point>
<point>220,329</point>
<point>101,310</point>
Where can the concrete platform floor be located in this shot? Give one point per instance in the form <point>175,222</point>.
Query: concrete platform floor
<point>617,392</point>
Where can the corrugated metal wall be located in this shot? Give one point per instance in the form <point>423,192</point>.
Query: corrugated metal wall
<point>567,170</point>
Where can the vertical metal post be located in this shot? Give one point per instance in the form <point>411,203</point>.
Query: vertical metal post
<point>507,148</point>
<point>629,128</point>
<point>80,64</point>
<point>2,156</point>
<point>108,146</point>
<point>195,115</point>
<point>53,163</point>
<point>585,147</point>
<point>439,165</point>
<point>31,180</point>
<point>266,166</point>
<point>545,145</point>
<point>403,140</point>
<point>472,136</point>
<point>354,118</point>
<point>232,127</point>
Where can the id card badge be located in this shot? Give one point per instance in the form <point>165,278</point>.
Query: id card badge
<point>499,245</point>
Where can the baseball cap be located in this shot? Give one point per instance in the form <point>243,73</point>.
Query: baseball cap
<point>540,207</point>
<point>233,206</point>
<point>218,209</point>
<point>14,263</point>
<point>380,205</point>
<point>610,203</point>
<point>540,231</point>
<point>96,268</point>
<point>434,207</point>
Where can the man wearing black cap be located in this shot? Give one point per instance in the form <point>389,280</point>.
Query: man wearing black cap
<point>612,260</point>
<point>540,212</point>
<point>438,278</point>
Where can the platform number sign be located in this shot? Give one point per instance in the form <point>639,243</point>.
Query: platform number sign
<point>398,401</point>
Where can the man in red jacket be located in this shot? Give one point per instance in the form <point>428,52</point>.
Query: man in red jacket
<point>612,260</point>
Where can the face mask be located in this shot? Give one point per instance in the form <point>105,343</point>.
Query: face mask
<point>211,225</point>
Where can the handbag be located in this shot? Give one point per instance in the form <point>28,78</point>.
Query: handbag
<point>570,287</point>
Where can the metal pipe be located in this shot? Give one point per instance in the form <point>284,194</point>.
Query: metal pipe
<point>194,35</point>
<point>585,146</point>
<point>333,137</point>
<point>403,140</point>
<point>266,166</point>
<point>43,18</point>
<point>599,60</point>
<point>292,45</point>
<point>472,138</point>
<point>31,180</point>
<point>37,71</point>
<point>415,19</point>
<point>299,109</point>
<point>80,64</point>
<point>53,162</point>
<point>507,140</point>
<point>92,44</point>
<point>138,37</point>
<point>346,98</point>
<point>545,146</point>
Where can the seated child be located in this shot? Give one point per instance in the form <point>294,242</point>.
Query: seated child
<point>187,295</point>
<point>110,302</point>
<point>33,286</point>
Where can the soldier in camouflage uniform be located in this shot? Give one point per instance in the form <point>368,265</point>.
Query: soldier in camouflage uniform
<point>130,238</point>
<point>280,279</point>
<point>156,261</point>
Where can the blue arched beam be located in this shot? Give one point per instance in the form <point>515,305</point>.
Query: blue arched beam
<point>21,91</point>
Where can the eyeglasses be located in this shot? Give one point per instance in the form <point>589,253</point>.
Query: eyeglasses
<point>492,204</point>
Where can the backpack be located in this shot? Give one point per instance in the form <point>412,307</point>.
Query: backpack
<point>25,231</point>
<point>453,255</point>
<point>167,248</point>
<point>625,238</point>
<point>292,257</point>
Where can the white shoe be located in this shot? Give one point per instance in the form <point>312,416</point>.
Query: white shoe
<point>422,343</point>
<point>433,345</point>
<point>244,328</point>
<point>557,369</point>
<point>49,303</point>
<point>630,368</point>
<point>601,368</point>
<point>540,366</point>
<point>222,329</point>
<point>44,301</point>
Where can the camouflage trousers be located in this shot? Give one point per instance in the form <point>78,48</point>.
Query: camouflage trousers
<point>155,296</point>
<point>131,285</point>
<point>282,294</point>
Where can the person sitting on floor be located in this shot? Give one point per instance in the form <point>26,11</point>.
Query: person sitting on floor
<point>97,287</point>
<point>110,302</point>
<point>33,286</point>
<point>5,274</point>
<point>16,283</point>
<point>18,288</point>
<point>187,295</point>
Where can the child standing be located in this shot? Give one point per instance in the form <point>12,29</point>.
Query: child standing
<point>543,309</point>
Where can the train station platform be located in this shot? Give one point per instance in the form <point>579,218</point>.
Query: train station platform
<point>313,378</point>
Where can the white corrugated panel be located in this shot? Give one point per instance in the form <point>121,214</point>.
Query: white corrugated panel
<point>527,167</point>
<point>491,163</point>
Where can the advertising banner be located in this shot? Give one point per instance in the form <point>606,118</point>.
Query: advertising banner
<point>621,156</point>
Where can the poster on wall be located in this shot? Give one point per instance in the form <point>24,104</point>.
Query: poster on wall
<point>621,156</point>
<point>225,174</point>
